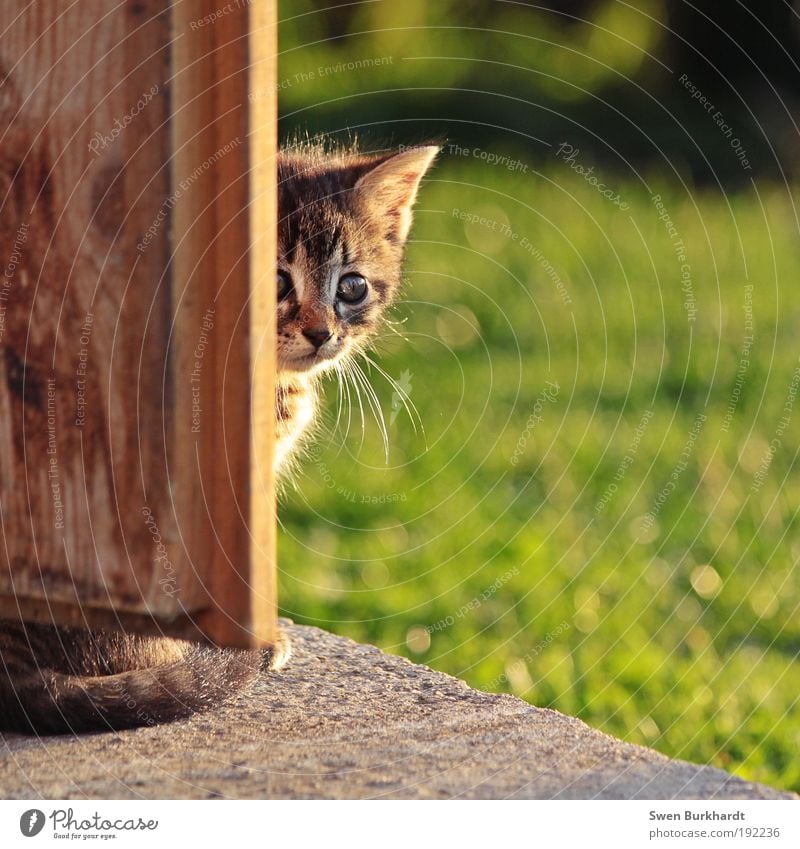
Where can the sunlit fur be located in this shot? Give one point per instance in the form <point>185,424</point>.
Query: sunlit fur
<point>340,212</point>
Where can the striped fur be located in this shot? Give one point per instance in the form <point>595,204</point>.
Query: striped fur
<point>57,680</point>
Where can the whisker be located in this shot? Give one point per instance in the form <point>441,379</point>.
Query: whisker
<point>346,386</point>
<point>339,399</point>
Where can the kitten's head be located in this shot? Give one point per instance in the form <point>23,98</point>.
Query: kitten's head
<point>343,222</point>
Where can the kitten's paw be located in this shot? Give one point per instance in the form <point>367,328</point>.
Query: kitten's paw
<point>277,655</point>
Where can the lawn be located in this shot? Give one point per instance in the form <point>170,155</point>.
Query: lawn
<point>593,501</point>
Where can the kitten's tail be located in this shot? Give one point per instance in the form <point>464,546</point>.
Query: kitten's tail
<point>41,700</point>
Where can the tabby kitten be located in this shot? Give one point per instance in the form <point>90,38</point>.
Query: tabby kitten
<point>343,221</point>
<point>345,218</point>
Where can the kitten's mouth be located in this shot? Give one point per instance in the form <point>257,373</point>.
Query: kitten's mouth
<point>309,362</point>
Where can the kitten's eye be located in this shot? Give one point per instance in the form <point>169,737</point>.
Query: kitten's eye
<point>284,285</point>
<point>352,288</point>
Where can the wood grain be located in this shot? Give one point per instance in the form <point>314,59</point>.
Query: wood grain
<point>127,329</point>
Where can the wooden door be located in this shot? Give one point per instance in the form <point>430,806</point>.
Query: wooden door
<point>137,231</point>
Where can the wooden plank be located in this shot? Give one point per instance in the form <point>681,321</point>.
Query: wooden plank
<point>82,303</point>
<point>224,259</point>
<point>125,325</point>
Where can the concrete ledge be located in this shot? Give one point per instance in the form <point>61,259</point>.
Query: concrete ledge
<point>347,721</point>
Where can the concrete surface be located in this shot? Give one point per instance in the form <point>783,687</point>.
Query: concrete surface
<point>347,721</point>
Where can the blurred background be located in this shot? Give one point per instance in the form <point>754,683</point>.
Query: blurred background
<point>589,497</point>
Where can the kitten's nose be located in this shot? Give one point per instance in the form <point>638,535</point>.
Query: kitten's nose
<point>317,336</point>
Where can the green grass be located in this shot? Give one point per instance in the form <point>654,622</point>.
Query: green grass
<point>683,635</point>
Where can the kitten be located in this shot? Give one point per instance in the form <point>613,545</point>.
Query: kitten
<point>344,222</point>
<point>344,218</point>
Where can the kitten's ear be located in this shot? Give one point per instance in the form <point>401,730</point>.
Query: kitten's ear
<point>390,188</point>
